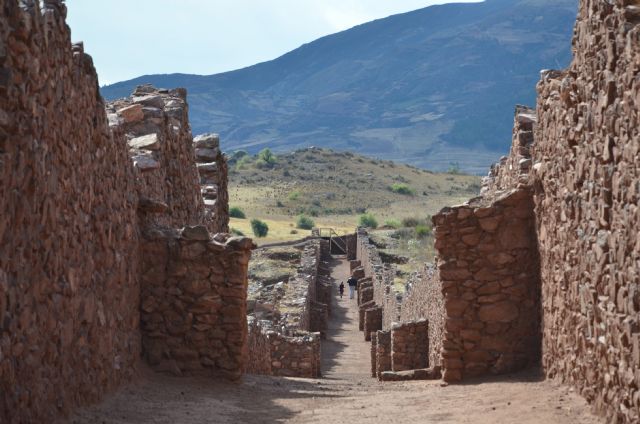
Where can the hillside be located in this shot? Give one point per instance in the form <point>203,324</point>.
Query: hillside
<point>334,189</point>
<point>428,87</point>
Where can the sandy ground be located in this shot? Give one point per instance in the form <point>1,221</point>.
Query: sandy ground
<point>346,394</point>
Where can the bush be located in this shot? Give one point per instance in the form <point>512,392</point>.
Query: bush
<point>305,223</point>
<point>294,195</point>
<point>368,220</point>
<point>260,228</point>
<point>236,232</point>
<point>293,232</point>
<point>401,188</point>
<point>267,157</point>
<point>422,230</point>
<point>236,212</point>
<point>393,223</point>
<point>279,204</point>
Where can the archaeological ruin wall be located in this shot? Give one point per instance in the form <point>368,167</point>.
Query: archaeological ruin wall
<point>488,265</point>
<point>90,194</point>
<point>291,347</point>
<point>68,269</point>
<point>586,176</point>
<point>193,301</point>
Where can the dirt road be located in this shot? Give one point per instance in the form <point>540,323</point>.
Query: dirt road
<point>346,394</point>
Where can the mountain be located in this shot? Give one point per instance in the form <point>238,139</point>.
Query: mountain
<point>430,87</point>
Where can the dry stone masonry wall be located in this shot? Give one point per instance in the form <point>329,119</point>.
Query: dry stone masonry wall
<point>68,257</point>
<point>488,265</point>
<point>82,182</point>
<point>587,191</point>
<point>291,347</point>
<point>213,171</point>
<point>193,301</point>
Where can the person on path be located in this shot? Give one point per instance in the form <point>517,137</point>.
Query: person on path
<point>353,283</point>
<point>341,289</point>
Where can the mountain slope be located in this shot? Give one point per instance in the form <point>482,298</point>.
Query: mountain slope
<point>428,87</point>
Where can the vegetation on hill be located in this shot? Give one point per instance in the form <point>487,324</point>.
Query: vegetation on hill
<point>334,189</point>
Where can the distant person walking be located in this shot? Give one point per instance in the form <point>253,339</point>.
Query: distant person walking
<point>353,284</point>
<point>341,289</point>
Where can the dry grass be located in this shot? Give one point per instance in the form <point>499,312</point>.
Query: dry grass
<point>334,188</point>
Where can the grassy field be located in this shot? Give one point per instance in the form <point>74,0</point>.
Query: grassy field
<point>334,189</point>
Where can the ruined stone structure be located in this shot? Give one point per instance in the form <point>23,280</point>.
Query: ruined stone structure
<point>291,347</point>
<point>489,270</point>
<point>90,192</point>
<point>212,170</point>
<point>543,268</point>
<point>272,353</point>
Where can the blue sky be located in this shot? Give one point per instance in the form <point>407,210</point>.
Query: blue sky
<point>128,38</point>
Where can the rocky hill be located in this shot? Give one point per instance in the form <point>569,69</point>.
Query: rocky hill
<point>428,87</point>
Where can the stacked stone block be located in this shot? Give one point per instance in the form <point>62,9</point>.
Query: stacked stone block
<point>193,301</point>
<point>372,321</point>
<point>383,352</point>
<point>489,267</point>
<point>155,123</point>
<point>423,299</point>
<point>586,176</point>
<point>68,255</point>
<point>80,185</point>
<point>410,346</point>
<point>213,172</point>
<point>272,353</point>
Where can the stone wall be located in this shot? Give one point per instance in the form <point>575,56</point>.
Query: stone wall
<point>587,190</point>
<point>193,301</point>
<point>213,172</point>
<point>272,353</point>
<point>488,264</point>
<point>155,124</point>
<point>68,269</point>
<point>292,347</point>
<point>423,299</point>
<point>81,182</point>
<point>409,346</point>
<point>513,170</point>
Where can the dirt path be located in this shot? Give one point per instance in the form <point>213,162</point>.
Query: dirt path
<point>346,394</point>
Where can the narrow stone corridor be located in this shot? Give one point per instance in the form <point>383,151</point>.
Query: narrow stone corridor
<point>345,395</point>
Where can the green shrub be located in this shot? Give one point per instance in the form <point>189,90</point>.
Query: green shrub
<point>267,156</point>
<point>401,188</point>
<point>279,204</point>
<point>294,195</point>
<point>368,220</point>
<point>422,230</point>
<point>260,228</point>
<point>393,223</point>
<point>236,212</point>
<point>305,223</point>
<point>236,232</point>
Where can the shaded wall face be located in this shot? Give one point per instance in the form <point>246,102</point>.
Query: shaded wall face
<point>587,196</point>
<point>489,266</point>
<point>68,292</point>
<point>193,302</point>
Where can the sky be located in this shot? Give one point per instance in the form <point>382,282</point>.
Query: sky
<point>129,38</point>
